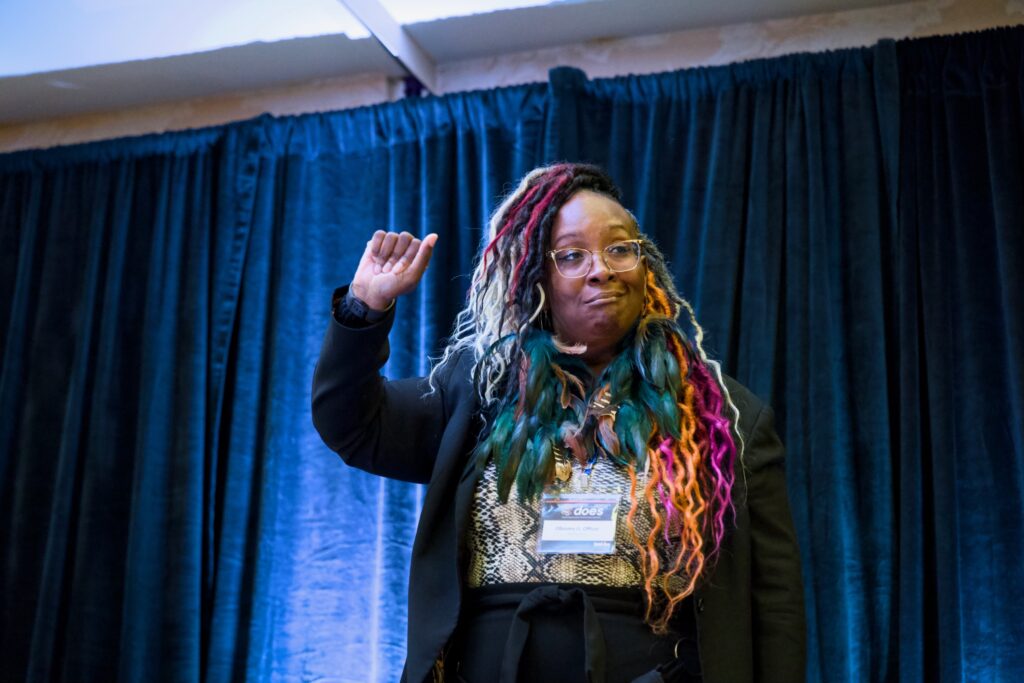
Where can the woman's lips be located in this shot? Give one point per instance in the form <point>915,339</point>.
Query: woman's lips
<point>604,298</point>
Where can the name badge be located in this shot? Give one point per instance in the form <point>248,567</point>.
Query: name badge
<point>582,523</point>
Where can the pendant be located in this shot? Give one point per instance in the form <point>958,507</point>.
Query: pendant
<point>563,470</point>
<point>563,465</point>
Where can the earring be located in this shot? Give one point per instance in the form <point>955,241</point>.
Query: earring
<point>540,306</point>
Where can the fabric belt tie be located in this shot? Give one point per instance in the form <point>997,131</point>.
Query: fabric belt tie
<point>555,598</point>
<point>547,596</point>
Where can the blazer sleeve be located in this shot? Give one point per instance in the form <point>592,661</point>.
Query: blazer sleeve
<point>779,622</point>
<point>390,428</point>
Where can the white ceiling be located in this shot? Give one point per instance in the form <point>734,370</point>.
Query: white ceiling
<point>70,57</point>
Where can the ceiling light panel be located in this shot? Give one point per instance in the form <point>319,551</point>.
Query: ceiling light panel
<point>415,11</point>
<point>54,35</point>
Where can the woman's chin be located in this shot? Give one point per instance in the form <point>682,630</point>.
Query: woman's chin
<point>600,338</point>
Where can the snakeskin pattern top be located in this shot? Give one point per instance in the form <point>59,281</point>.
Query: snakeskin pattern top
<point>503,538</point>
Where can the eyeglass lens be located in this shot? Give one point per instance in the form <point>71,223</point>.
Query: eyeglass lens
<point>618,257</point>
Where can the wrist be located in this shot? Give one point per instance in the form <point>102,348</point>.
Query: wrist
<point>374,303</point>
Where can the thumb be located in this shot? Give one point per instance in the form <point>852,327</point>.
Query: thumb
<point>422,258</point>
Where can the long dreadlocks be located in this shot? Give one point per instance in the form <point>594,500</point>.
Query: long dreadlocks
<point>660,406</point>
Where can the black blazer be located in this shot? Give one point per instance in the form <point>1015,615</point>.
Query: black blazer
<point>749,611</point>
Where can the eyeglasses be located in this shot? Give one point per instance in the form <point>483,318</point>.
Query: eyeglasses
<point>618,257</point>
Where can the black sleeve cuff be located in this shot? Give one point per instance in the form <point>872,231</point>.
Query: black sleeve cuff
<point>351,311</point>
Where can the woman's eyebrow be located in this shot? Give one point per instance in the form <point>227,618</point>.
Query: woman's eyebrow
<point>575,236</point>
<point>566,236</point>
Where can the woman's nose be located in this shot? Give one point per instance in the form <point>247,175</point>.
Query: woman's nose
<point>599,270</point>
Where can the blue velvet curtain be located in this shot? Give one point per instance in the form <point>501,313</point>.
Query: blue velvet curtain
<point>847,224</point>
<point>959,302</point>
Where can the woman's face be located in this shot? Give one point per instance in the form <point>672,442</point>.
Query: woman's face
<point>601,307</point>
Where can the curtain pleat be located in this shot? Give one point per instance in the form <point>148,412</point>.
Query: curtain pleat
<point>961,310</point>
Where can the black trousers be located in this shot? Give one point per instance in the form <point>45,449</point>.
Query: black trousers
<point>542,633</point>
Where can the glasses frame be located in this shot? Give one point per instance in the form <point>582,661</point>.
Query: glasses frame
<point>604,258</point>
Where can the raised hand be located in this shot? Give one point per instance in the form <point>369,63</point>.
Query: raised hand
<point>392,264</point>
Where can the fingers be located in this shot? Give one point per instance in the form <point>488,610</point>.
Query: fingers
<point>392,252</point>
<point>402,242</point>
<point>373,247</point>
<point>384,253</point>
<point>407,256</point>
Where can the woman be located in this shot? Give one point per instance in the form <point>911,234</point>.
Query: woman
<point>603,504</point>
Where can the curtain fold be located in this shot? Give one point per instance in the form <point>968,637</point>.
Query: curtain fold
<point>961,346</point>
<point>104,441</point>
<point>846,224</point>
